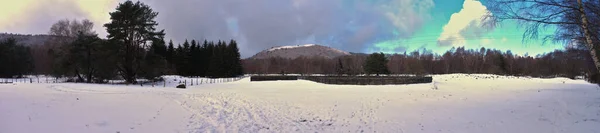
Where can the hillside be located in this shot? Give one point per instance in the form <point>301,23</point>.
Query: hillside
<point>307,50</point>
<point>27,40</point>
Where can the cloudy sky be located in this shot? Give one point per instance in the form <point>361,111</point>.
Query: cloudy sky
<point>391,26</point>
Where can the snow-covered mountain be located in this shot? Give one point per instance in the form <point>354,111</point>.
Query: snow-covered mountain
<point>307,50</point>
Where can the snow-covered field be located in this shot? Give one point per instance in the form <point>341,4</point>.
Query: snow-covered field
<point>454,103</point>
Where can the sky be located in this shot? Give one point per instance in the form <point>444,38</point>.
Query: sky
<point>366,26</point>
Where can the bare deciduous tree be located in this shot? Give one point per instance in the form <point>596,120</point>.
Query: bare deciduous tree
<point>70,28</point>
<point>572,17</point>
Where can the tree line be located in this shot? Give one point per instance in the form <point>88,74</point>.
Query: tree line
<point>134,49</point>
<point>209,59</point>
<point>571,62</point>
<point>14,59</point>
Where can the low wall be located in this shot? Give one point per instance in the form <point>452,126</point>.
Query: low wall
<point>351,80</point>
<point>368,80</point>
<point>272,78</point>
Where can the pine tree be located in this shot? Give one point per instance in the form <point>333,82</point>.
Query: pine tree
<point>185,58</point>
<point>158,47</point>
<point>376,63</point>
<point>236,68</point>
<point>170,52</point>
<point>178,59</point>
<point>154,64</point>
<point>16,59</point>
<point>210,55</point>
<point>192,59</point>
<point>204,58</point>
<point>131,26</point>
<point>215,69</point>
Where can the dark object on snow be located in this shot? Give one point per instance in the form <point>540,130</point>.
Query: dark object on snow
<point>182,86</point>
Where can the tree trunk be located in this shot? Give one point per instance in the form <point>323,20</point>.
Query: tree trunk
<point>79,77</point>
<point>588,38</point>
<point>129,76</point>
<point>89,77</point>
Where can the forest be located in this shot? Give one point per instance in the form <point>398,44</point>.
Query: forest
<point>134,49</point>
<point>571,62</point>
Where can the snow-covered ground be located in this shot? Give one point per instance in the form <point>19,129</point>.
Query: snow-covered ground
<point>454,103</point>
<point>290,47</point>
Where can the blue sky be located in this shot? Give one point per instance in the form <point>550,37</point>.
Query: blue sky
<point>391,26</point>
<point>506,36</point>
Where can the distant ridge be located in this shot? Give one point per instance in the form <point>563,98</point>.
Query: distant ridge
<point>27,40</point>
<point>306,50</point>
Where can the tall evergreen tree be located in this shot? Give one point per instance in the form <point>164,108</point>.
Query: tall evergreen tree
<point>159,47</point>
<point>376,63</point>
<point>178,60</point>
<point>204,59</point>
<point>16,60</point>
<point>209,56</point>
<point>215,68</point>
<point>237,69</point>
<point>154,64</point>
<point>185,59</point>
<point>170,52</point>
<point>192,59</point>
<point>132,25</point>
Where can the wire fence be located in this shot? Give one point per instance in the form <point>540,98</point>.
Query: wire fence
<point>33,79</point>
<point>190,81</point>
<point>168,81</point>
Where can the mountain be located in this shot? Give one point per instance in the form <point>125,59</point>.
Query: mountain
<point>27,40</point>
<point>307,50</point>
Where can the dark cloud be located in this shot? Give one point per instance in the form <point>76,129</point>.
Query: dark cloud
<point>350,25</point>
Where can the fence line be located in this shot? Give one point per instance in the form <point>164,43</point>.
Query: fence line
<point>201,80</point>
<point>33,80</point>
<point>188,81</point>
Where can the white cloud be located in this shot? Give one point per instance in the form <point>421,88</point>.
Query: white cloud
<point>465,24</point>
<point>408,15</point>
<point>504,39</point>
